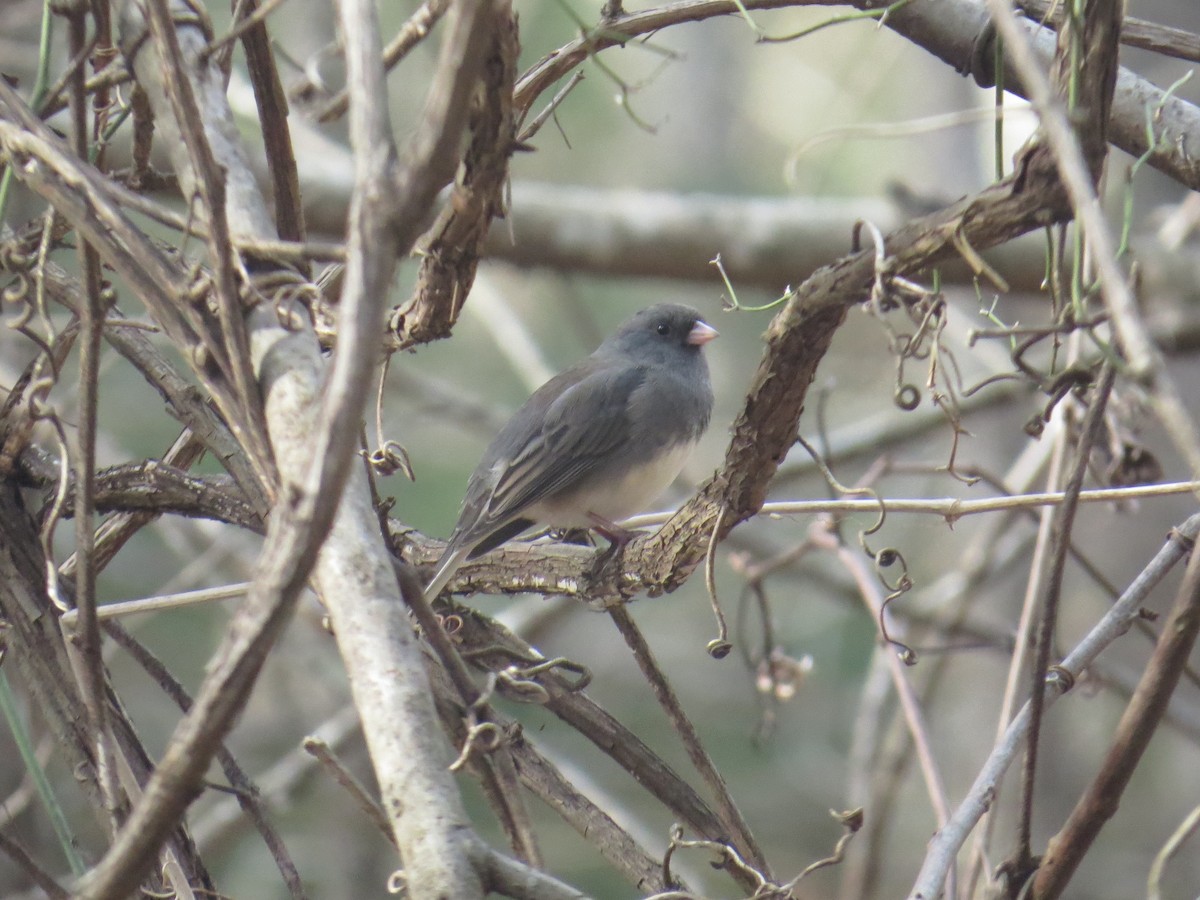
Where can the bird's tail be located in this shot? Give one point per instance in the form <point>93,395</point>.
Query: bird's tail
<point>447,566</point>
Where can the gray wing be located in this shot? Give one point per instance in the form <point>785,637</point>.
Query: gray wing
<point>537,456</point>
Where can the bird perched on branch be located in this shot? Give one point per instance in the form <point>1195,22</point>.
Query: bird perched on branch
<point>596,443</point>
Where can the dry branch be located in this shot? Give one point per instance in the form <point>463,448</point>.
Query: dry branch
<point>312,410</point>
<point>314,459</point>
<point>1119,619</point>
<point>1099,803</point>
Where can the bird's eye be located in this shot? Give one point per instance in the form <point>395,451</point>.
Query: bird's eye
<point>663,328</point>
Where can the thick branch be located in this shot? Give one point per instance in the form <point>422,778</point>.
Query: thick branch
<point>150,486</point>
<point>312,423</point>
<point>765,242</point>
<point>956,31</point>
<point>386,670</point>
<point>450,250</point>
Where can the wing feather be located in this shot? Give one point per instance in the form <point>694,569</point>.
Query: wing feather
<point>531,461</point>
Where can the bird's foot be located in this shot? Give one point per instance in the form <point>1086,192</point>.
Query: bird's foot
<point>578,536</point>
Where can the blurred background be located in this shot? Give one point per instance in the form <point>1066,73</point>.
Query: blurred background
<point>852,121</point>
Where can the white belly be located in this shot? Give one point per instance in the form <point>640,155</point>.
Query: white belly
<point>614,500</point>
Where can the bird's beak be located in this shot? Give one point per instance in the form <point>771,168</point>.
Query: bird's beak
<point>701,334</point>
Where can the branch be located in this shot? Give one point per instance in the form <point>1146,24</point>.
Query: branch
<point>272,114</point>
<point>1061,528</point>
<point>385,665</point>
<point>944,846</point>
<point>589,819</point>
<point>796,341</point>
<point>1173,42</point>
<point>451,249</point>
<point>569,569</point>
<point>28,865</point>
<point>956,31</point>
<point>149,486</point>
<point>179,89</point>
<point>732,821</point>
<point>494,649</point>
<point>1137,726</point>
<point>768,242</point>
<point>245,791</point>
<point>313,427</point>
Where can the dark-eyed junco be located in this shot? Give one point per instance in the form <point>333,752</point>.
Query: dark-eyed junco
<point>596,443</point>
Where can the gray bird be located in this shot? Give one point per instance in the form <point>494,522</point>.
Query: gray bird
<point>596,443</point>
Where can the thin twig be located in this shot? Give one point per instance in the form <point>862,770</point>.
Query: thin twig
<point>245,24</point>
<point>1055,443</point>
<point>411,33</point>
<point>26,863</point>
<point>1060,539</point>
<point>244,410</point>
<point>88,663</point>
<point>245,790</point>
<point>950,508</point>
<point>1185,830</point>
<point>1144,360</point>
<point>323,754</point>
<point>1177,43</point>
<point>730,815</point>
<point>496,649</point>
<point>591,818</point>
<point>869,590</point>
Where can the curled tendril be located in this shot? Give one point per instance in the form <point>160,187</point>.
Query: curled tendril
<point>516,686</point>
<point>200,356</point>
<point>530,667</point>
<point>17,290</point>
<point>1065,677</point>
<point>882,559</point>
<point>20,322</point>
<point>906,653</point>
<point>46,534</point>
<point>482,737</point>
<point>289,309</point>
<point>14,257</point>
<point>583,675</point>
<point>907,397</point>
<point>727,858</point>
<point>397,882</point>
<point>927,314</point>
<point>292,297</point>
<point>852,822</point>
<point>391,458</point>
<point>38,397</point>
<point>199,287</point>
<point>719,647</point>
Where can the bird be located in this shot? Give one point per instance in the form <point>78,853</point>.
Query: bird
<point>596,443</point>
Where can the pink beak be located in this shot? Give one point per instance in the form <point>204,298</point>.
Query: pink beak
<point>701,334</point>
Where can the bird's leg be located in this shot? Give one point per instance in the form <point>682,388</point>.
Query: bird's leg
<point>616,535</point>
